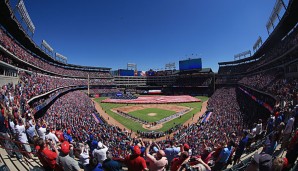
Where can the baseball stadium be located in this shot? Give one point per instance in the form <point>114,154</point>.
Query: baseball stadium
<point>61,116</point>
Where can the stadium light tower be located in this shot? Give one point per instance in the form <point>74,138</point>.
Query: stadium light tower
<point>60,58</point>
<point>258,44</point>
<point>170,66</point>
<point>279,4</point>
<point>132,66</point>
<point>243,54</point>
<point>47,48</point>
<point>25,17</point>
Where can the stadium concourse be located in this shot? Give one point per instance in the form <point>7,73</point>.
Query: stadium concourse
<point>48,123</point>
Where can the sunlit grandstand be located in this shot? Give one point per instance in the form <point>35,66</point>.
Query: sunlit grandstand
<point>61,116</point>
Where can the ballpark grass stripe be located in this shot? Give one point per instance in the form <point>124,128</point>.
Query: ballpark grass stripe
<point>160,114</point>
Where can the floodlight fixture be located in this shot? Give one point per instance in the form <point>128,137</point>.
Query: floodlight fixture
<point>258,44</point>
<point>47,46</point>
<point>279,4</point>
<point>242,54</point>
<point>25,16</point>
<point>60,57</point>
<point>170,66</point>
<point>132,66</point>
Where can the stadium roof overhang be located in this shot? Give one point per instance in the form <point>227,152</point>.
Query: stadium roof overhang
<point>11,24</point>
<point>288,21</point>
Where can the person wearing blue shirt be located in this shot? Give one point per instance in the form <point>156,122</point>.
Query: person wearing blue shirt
<point>67,136</point>
<point>240,148</point>
<point>110,165</point>
<point>95,165</point>
<point>172,152</point>
<point>223,157</point>
<point>92,143</point>
<point>271,145</point>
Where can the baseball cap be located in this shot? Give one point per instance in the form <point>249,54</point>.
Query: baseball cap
<point>65,147</point>
<point>137,150</point>
<point>99,145</point>
<point>186,147</point>
<point>68,131</point>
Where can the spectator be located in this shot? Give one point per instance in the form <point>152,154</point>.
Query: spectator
<point>240,148</point>
<point>172,151</point>
<point>30,130</point>
<point>288,131</point>
<point>21,134</point>
<point>46,156</point>
<point>3,128</point>
<point>279,164</point>
<point>95,165</point>
<point>59,134</point>
<point>67,136</point>
<point>135,162</point>
<point>201,166</point>
<point>100,152</point>
<point>84,156</point>
<point>270,144</point>
<point>292,152</point>
<point>110,165</point>
<point>223,157</point>
<point>180,162</point>
<point>158,162</point>
<point>259,129</point>
<point>42,130</point>
<point>65,160</point>
<point>262,162</point>
<point>92,143</point>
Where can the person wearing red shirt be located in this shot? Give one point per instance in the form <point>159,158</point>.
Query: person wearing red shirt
<point>59,134</point>
<point>135,162</point>
<point>178,162</point>
<point>47,156</point>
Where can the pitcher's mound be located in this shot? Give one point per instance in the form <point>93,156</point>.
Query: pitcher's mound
<point>151,114</point>
<point>150,127</point>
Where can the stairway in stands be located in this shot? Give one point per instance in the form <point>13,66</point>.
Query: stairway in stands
<point>15,164</point>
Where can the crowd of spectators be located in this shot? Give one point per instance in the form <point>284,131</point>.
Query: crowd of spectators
<point>193,80</point>
<point>103,90</point>
<point>259,81</point>
<point>235,69</point>
<point>34,84</point>
<point>20,52</point>
<point>279,49</point>
<point>285,90</point>
<point>72,117</point>
<point>289,42</point>
<point>157,134</point>
<point>124,97</point>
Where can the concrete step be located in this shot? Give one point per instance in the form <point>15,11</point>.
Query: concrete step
<point>23,164</point>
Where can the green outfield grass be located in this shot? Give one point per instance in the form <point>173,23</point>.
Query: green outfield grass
<point>137,126</point>
<point>143,114</point>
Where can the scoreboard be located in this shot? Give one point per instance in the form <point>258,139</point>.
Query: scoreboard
<point>190,64</point>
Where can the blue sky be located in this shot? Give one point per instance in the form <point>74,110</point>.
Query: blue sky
<point>150,33</point>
